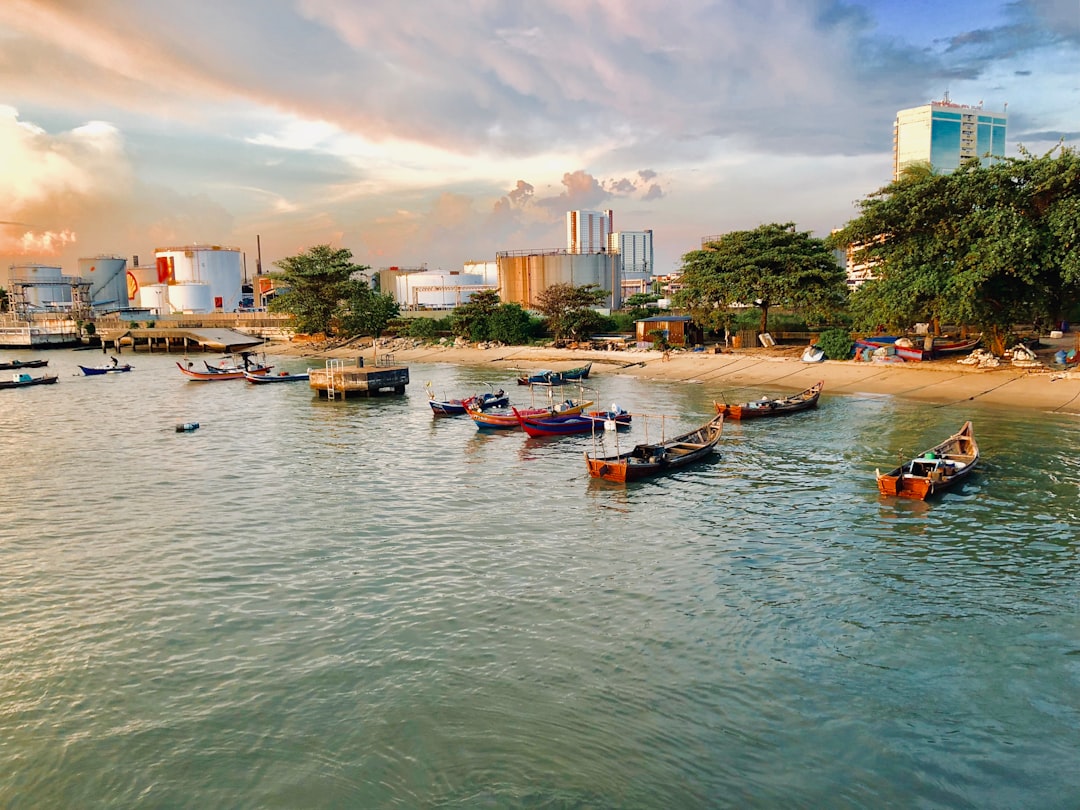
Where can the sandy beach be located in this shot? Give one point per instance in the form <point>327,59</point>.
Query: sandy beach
<point>761,371</point>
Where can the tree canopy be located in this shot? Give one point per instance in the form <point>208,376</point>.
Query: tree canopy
<point>485,317</point>
<point>570,310</point>
<point>987,246</point>
<point>771,266</point>
<point>319,282</point>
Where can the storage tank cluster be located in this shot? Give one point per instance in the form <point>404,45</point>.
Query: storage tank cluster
<point>195,278</point>
<point>46,285</point>
<point>108,281</point>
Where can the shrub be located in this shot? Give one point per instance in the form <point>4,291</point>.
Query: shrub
<point>836,343</point>
<point>421,328</point>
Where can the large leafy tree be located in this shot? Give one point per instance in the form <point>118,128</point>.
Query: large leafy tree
<point>319,281</point>
<point>771,266</point>
<point>570,310</point>
<point>985,246</point>
<point>472,319</point>
<point>366,311</point>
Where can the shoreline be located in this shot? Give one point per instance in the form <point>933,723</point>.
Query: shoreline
<point>941,382</point>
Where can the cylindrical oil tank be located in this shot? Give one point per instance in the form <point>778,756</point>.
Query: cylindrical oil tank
<point>45,284</point>
<point>155,297</point>
<point>219,267</point>
<point>193,298</point>
<point>108,281</point>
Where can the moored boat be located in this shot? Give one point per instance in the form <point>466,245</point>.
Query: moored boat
<point>280,377</point>
<point>13,365</point>
<point>556,377</point>
<point>456,407</point>
<point>24,380</point>
<point>508,420</point>
<point>115,367</point>
<point>939,468</point>
<point>570,424</point>
<point>647,460</point>
<point>779,406</point>
<point>193,373</point>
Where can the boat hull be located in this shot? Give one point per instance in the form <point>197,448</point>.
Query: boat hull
<point>648,460</point>
<point>803,401</point>
<point>219,376</point>
<point>940,468</point>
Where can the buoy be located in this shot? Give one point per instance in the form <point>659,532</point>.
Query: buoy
<point>186,427</point>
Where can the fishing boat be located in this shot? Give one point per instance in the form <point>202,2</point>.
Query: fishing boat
<point>229,364</point>
<point>647,460</point>
<point>14,365</point>
<point>556,377</point>
<point>456,407</point>
<point>106,368</point>
<point>24,380</point>
<point>570,424</point>
<point>280,377</point>
<point>895,347</point>
<point>193,373</point>
<point>508,420</point>
<point>779,406</point>
<point>939,468</point>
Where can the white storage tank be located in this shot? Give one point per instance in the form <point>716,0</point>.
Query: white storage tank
<point>192,298</point>
<point>219,267</point>
<point>108,281</point>
<point>154,297</point>
<point>47,286</point>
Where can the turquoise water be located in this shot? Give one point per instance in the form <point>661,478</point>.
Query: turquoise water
<point>313,604</point>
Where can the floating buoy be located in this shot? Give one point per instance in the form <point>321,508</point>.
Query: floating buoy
<point>186,427</point>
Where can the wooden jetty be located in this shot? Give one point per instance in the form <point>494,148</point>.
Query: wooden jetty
<point>341,381</point>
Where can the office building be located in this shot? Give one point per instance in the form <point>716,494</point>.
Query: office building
<point>946,135</point>
<point>635,251</point>
<point>588,231</point>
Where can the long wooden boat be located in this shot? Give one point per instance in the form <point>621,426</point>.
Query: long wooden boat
<point>909,354</point>
<point>24,380</point>
<point>456,407</point>
<point>780,406</point>
<point>193,373</point>
<point>569,424</point>
<point>94,371</point>
<point>508,420</point>
<point>939,468</point>
<point>647,460</point>
<point>280,377</point>
<point>14,365</point>
<point>556,377</point>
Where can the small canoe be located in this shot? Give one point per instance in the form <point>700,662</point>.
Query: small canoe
<point>13,365</point>
<point>556,377</point>
<point>508,420</point>
<point>570,424</point>
<point>456,407</point>
<point>280,377</point>
<point>941,467</point>
<point>94,371</point>
<point>193,373</point>
<point>647,460</point>
<point>780,406</point>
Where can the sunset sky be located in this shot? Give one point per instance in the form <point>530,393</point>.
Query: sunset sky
<point>442,132</point>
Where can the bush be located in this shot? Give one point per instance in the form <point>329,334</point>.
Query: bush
<point>420,328</point>
<point>836,343</point>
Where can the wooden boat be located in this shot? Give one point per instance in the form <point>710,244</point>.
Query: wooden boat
<point>456,407</point>
<point>113,368</point>
<point>647,460</point>
<point>229,364</point>
<point>24,380</point>
<point>904,351</point>
<point>193,373</point>
<point>14,365</point>
<point>780,406</point>
<point>280,377</point>
<point>508,420</point>
<point>556,377</point>
<point>570,424</point>
<point>939,468</point>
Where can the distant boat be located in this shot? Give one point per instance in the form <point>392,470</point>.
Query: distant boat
<point>193,373</point>
<point>456,407</point>
<point>934,471</point>
<point>647,460</point>
<point>12,365</point>
<point>779,406</point>
<point>24,380</point>
<point>556,377</point>
<point>280,377</point>
<point>106,368</point>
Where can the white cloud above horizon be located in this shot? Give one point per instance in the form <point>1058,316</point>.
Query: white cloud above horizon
<point>443,133</point>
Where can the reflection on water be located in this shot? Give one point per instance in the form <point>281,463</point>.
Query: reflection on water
<point>312,603</point>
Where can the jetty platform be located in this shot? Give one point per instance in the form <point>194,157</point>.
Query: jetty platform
<point>339,380</point>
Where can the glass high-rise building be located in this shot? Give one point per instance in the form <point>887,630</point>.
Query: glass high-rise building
<point>947,134</point>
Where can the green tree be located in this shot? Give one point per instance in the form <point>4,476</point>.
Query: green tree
<point>472,319</point>
<point>985,246</point>
<point>771,266</point>
<point>319,282</point>
<point>366,311</point>
<point>510,324</point>
<point>566,305</point>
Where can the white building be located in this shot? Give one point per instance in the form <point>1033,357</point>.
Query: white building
<point>946,135</point>
<point>635,252</point>
<point>588,231</point>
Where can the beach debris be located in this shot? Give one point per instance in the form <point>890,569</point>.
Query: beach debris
<point>981,358</point>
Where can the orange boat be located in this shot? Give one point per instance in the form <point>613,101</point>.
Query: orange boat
<point>936,470</point>
<point>647,460</point>
<point>773,407</point>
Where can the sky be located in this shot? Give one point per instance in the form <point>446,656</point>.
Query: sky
<point>437,133</point>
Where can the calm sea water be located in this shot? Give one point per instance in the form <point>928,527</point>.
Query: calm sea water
<point>352,604</point>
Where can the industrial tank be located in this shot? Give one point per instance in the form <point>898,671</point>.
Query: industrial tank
<point>155,297</point>
<point>219,267</point>
<point>45,285</point>
<point>108,281</point>
<point>193,298</point>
